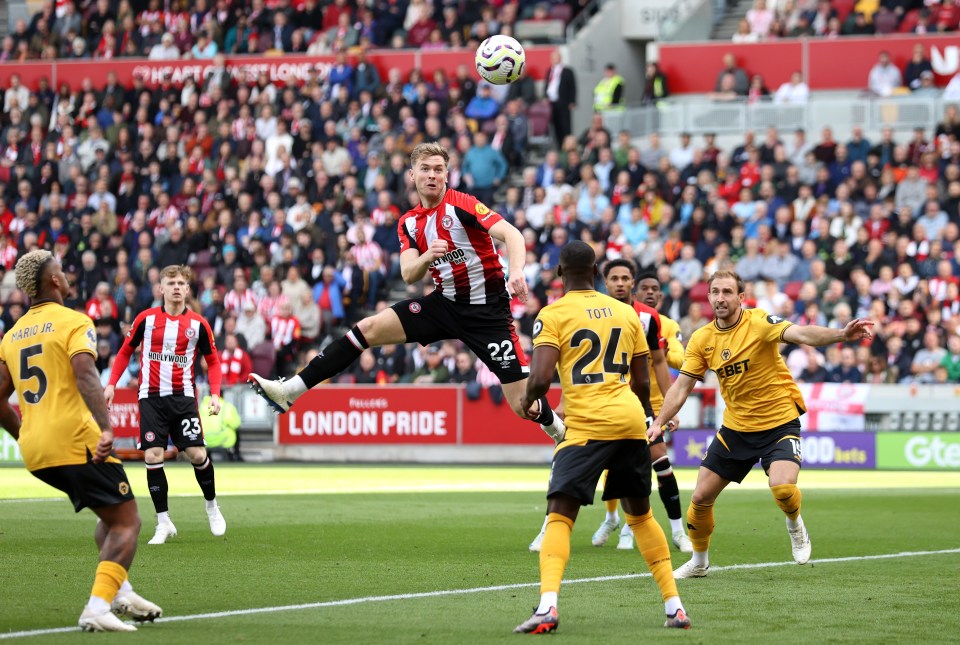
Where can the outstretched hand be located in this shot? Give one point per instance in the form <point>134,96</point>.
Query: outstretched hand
<point>858,329</point>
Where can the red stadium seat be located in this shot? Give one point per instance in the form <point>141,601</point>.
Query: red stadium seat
<point>538,117</point>
<point>843,8</point>
<point>792,289</point>
<point>561,12</point>
<point>263,357</point>
<point>910,21</point>
<point>698,292</point>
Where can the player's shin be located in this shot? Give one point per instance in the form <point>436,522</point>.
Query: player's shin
<point>110,576</point>
<point>157,483</point>
<point>554,555</point>
<point>652,544</point>
<point>700,528</point>
<point>335,357</point>
<point>788,498</point>
<point>669,492</point>
<point>204,474</point>
<point>550,422</point>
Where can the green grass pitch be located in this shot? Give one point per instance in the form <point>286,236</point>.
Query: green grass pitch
<point>369,548</point>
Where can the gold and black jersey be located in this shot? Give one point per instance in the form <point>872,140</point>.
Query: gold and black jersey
<point>597,337</point>
<point>756,385</point>
<point>57,428</point>
<point>672,345</point>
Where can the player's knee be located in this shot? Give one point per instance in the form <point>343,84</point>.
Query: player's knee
<point>702,497</point>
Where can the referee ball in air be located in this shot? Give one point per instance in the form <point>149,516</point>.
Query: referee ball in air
<point>500,60</point>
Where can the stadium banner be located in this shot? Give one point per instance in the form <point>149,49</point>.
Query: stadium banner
<point>246,69</point>
<point>918,450</point>
<point>398,414</point>
<point>692,68</point>
<point>834,406</point>
<point>9,449</point>
<point>834,450</point>
<point>125,416</point>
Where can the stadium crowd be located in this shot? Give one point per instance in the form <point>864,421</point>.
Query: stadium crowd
<point>284,200</point>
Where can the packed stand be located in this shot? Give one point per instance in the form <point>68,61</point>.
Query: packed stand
<point>201,29</point>
<point>775,19</point>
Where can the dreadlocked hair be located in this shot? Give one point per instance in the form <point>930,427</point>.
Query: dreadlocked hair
<point>29,269</point>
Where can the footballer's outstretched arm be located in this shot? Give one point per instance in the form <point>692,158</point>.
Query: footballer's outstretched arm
<point>8,418</point>
<point>818,336</point>
<point>516,256</point>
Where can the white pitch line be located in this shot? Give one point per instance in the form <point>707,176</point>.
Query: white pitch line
<point>455,592</point>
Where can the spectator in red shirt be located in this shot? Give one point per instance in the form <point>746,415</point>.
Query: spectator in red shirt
<point>235,362</point>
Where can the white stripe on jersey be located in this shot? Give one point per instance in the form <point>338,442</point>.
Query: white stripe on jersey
<point>148,324</point>
<point>478,288</point>
<point>448,288</point>
<point>191,351</point>
<point>170,333</point>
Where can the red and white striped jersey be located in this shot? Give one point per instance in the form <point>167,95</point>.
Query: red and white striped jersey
<point>171,346</point>
<point>650,319</point>
<point>470,272</point>
<point>284,330</point>
<point>234,301</point>
<point>369,256</point>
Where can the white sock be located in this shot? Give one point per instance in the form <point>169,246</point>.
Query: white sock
<point>125,588</point>
<point>672,605</point>
<point>211,503</point>
<point>613,517</point>
<point>626,530</point>
<point>548,599</point>
<point>98,605</point>
<point>700,558</point>
<point>294,387</point>
<point>792,524</point>
<point>163,518</point>
<point>676,525</point>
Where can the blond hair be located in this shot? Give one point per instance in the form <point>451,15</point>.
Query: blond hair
<point>174,270</point>
<point>29,270</point>
<point>428,150</point>
<point>726,273</point>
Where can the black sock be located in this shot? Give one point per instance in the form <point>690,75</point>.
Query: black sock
<point>546,414</point>
<point>335,357</point>
<point>204,473</point>
<point>668,489</point>
<point>157,483</point>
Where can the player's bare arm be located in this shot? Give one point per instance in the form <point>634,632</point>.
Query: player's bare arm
<point>516,256</point>
<point>818,336</point>
<point>672,402</point>
<point>88,383</point>
<point>660,370</point>
<point>640,382</point>
<point>414,265</point>
<point>542,367</point>
<point>8,418</point>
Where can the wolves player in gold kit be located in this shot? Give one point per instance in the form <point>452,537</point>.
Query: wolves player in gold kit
<point>761,420</point>
<point>597,343</point>
<point>65,436</point>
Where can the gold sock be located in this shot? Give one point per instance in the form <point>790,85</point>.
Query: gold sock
<point>652,543</point>
<point>110,576</point>
<point>612,505</point>
<point>554,552</point>
<point>788,498</point>
<point>700,525</point>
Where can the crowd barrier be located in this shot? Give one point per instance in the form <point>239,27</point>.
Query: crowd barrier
<point>247,68</point>
<point>826,64</point>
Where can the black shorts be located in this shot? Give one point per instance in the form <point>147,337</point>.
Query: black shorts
<point>175,417</point>
<point>576,470</point>
<point>89,485</point>
<point>733,454</point>
<point>486,329</point>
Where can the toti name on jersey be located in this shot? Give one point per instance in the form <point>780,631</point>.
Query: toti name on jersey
<point>470,272</point>
<point>58,428</point>
<point>758,389</point>
<point>597,337</point>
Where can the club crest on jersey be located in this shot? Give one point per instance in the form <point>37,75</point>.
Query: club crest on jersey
<point>149,437</point>
<point>446,222</point>
<point>481,209</point>
<point>91,339</point>
<point>725,355</point>
<point>415,307</point>
<point>190,332</point>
